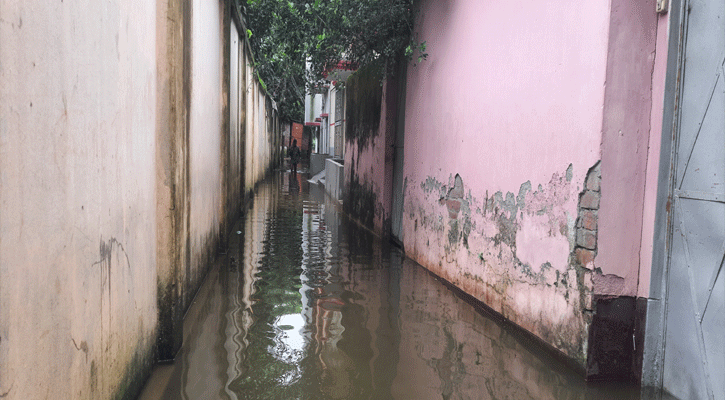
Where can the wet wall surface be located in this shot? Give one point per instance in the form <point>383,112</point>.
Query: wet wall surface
<point>307,305</point>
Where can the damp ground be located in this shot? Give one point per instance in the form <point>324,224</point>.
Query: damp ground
<point>305,304</point>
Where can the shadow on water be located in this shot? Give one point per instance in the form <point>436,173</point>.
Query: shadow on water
<point>307,305</point>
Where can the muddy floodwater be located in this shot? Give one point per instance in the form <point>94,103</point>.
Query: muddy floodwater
<point>307,305</point>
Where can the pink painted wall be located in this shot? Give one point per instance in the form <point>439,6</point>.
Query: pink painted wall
<point>508,78</point>
<point>655,141</point>
<point>372,164</point>
<point>513,108</point>
<point>626,126</point>
<point>510,99</point>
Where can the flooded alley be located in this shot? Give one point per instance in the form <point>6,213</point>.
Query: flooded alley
<point>305,304</point>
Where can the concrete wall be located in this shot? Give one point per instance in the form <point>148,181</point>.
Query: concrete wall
<point>631,136</point>
<point>205,139</point>
<point>525,161</point>
<point>655,141</point>
<point>625,141</point>
<point>313,107</point>
<point>119,171</point>
<point>77,235</point>
<point>262,132</point>
<point>334,179</point>
<point>317,163</point>
<point>173,36</point>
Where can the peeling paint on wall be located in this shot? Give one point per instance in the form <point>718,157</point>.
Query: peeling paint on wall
<point>513,251</point>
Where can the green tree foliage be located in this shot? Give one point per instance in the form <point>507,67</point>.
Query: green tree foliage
<point>285,33</point>
<point>279,52</point>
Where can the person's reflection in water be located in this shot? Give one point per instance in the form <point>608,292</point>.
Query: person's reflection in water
<point>294,184</point>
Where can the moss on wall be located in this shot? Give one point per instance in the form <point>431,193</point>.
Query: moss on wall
<point>364,101</point>
<point>360,202</point>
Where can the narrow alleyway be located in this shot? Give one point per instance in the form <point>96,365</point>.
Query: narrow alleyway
<point>307,305</point>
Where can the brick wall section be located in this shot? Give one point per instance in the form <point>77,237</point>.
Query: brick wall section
<point>587,220</point>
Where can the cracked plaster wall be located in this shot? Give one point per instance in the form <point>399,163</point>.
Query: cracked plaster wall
<point>501,147</point>
<point>513,251</point>
<point>103,143</point>
<point>517,126</point>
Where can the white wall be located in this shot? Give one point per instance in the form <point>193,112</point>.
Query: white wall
<point>77,204</point>
<point>94,144</point>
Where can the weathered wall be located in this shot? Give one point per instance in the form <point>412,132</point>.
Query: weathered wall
<point>172,172</point>
<point>499,144</point>
<point>262,132</point>
<point>524,172</point>
<point>205,135</point>
<point>77,198</point>
<point>237,119</point>
<point>655,141</point>
<point>121,167</point>
<point>371,112</point>
<point>631,133</point>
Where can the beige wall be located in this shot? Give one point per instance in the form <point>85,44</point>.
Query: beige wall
<point>172,183</point>
<point>116,167</point>
<point>236,115</point>
<point>77,184</point>
<point>205,134</point>
<point>261,138</point>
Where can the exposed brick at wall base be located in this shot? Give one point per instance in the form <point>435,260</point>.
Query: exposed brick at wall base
<point>587,220</point>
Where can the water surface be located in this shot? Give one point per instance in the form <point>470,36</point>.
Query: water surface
<point>307,305</point>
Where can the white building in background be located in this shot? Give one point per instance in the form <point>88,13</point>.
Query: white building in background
<point>325,113</point>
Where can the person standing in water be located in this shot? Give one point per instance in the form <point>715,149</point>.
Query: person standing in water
<point>294,156</point>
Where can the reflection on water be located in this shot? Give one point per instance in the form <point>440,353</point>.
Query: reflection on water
<point>306,305</point>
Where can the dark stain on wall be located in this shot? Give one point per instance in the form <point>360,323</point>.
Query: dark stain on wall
<point>610,336</point>
<point>363,108</point>
<point>170,329</point>
<point>360,202</point>
<point>134,375</point>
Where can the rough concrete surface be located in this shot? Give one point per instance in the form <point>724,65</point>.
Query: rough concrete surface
<point>119,170</point>
<point>78,238</point>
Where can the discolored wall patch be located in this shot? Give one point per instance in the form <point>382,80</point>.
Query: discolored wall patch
<point>514,251</point>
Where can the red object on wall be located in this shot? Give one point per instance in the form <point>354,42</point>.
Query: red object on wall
<point>296,134</point>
